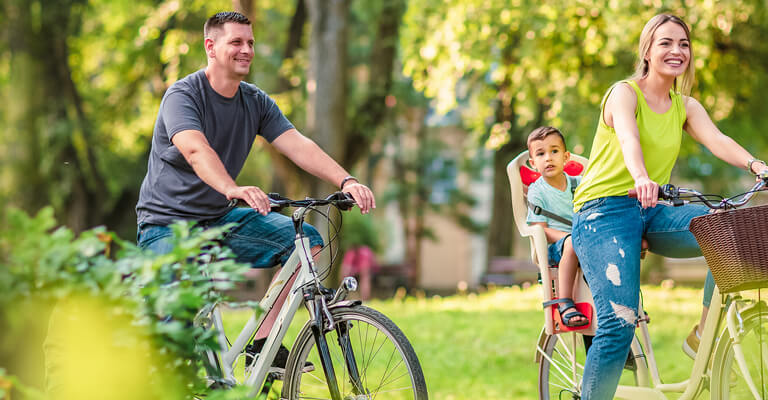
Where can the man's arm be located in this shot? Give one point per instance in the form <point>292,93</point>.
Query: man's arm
<point>208,166</point>
<point>311,158</point>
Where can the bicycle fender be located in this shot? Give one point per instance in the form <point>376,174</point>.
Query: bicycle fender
<point>345,303</point>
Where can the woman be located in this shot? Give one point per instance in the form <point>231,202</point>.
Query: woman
<point>635,146</point>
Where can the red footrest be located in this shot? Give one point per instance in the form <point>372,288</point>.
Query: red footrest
<point>557,322</point>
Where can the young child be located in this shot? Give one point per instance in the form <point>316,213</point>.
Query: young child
<point>553,192</point>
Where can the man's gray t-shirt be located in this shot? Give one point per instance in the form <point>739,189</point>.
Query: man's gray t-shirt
<point>171,190</point>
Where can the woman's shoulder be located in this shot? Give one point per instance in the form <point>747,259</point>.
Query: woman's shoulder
<point>623,95</point>
<point>625,90</point>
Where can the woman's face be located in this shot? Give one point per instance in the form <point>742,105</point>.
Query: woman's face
<point>670,50</point>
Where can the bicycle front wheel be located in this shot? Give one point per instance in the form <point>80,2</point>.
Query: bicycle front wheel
<point>729,380</point>
<point>371,358</point>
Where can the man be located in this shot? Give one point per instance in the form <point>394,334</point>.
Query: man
<point>205,128</point>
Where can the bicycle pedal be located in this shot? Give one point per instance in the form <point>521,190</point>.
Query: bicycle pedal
<point>275,376</point>
<point>630,364</point>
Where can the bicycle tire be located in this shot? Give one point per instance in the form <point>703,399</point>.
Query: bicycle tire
<point>727,379</point>
<point>560,381</point>
<point>375,341</point>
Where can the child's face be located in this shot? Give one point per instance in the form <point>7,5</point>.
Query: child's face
<point>548,155</point>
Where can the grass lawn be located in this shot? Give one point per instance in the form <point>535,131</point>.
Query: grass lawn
<point>481,346</point>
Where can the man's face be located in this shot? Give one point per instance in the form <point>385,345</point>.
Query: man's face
<point>231,49</point>
<point>548,155</point>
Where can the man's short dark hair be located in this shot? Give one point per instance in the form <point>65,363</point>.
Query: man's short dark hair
<point>542,132</point>
<point>219,19</point>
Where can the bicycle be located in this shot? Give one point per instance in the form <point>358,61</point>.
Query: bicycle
<point>732,358</point>
<point>361,352</point>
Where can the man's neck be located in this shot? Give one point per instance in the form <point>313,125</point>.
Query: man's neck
<point>223,84</point>
<point>559,181</point>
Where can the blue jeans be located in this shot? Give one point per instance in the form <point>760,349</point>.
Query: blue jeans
<point>607,233</point>
<point>262,241</point>
<point>555,251</point>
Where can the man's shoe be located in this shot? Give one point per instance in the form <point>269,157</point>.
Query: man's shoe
<point>281,358</point>
<point>691,343</point>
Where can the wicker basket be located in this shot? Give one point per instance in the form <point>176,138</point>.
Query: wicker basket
<point>735,244</point>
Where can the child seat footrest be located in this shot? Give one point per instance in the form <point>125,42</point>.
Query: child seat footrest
<point>557,321</point>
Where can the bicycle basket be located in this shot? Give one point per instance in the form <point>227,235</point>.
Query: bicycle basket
<point>735,245</point>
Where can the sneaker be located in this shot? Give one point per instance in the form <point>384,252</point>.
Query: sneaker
<point>691,343</point>
<point>281,358</point>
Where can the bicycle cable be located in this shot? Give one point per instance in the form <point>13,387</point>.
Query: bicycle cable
<point>323,273</point>
<point>336,230</point>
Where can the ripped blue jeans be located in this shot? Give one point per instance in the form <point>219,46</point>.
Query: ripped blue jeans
<point>607,233</point>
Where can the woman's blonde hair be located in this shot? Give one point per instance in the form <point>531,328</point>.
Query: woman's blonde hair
<point>683,85</point>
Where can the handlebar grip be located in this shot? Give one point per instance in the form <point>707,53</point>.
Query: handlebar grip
<point>666,192</point>
<point>242,204</point>
<point>343,200</point>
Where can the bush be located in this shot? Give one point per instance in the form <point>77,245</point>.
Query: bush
<point>143,303</point>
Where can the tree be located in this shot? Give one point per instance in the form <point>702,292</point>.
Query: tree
<point>511,67</point>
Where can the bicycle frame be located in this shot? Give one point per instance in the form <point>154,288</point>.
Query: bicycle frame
<point>301,256</point>
<point>720,311</point>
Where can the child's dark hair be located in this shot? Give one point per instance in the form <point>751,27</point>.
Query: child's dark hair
<point>542,132</point>
<point>218,20</point>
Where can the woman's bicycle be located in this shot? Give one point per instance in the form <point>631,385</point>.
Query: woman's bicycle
<point>360,353</point>
<point>732,358</point>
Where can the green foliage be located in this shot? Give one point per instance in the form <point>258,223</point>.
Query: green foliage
<point>360,230</point>
<point>550,62</point>
<point>161,293</point>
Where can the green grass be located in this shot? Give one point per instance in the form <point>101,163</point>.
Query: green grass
<point>482,345</point>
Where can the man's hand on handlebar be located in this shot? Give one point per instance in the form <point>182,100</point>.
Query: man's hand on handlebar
<point>363,196</point>
<point>647,192</point>
<point>253,196</point>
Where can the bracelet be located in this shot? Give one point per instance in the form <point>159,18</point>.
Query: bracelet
<point>752,161</point>
<point>347,179</point>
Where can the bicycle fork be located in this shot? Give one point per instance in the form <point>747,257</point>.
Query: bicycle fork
<point>736,330</point>
<point>322,323</point>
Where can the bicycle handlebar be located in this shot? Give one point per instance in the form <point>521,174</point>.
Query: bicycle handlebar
<point>277,202</point>
<point>676,196</point>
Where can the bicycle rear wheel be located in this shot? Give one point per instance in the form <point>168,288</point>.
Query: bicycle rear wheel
<point>380,353</point>
<point>728,379</point>
<point>561,366</point>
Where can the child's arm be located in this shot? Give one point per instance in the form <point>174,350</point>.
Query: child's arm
<point>553,235</point>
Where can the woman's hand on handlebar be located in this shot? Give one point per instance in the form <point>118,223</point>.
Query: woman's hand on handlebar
<point>647,192</point>
<point>762,170</point>
<point>363,196</point>
<point>252,195</point>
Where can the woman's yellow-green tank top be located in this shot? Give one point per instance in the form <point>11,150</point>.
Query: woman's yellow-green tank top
<point>660,136</point>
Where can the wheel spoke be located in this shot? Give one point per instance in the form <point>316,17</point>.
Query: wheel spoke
<point>384,360</point>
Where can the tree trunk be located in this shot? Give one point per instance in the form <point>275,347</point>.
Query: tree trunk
<point>245,7</point>
<point>327,89</point>
<point>295,33</point>
<point>56,164</point>
<point>501,230</point>
<point>327,75</point>
<point>373,110</point>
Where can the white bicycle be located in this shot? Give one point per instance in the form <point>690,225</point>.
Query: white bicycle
<point>732,358</point>
<point>362,354</point>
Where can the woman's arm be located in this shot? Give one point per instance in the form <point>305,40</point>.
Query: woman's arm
<point>703,130</point>
<point>620,114</point>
